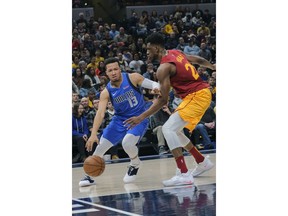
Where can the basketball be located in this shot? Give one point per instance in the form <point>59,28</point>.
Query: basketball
<point>94,165</point>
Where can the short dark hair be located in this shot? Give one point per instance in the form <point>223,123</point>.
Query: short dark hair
<point>156,38</point>
<point>111,60</point>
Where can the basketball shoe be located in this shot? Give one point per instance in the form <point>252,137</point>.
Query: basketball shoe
<point>131,173</point>
<point>180,179</point>
<point>203,167</point>
<point>86,181</point>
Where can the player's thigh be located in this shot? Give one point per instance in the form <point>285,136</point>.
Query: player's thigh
<point>194,106</point>
<point>140,129</point>
<point>114,132</point>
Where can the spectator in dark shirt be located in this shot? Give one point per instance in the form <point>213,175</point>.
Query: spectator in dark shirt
<point>80,133</point>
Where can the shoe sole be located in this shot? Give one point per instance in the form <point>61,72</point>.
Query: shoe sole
<point>86,185</point>
<point>129,181</point>
<point>188,183</point>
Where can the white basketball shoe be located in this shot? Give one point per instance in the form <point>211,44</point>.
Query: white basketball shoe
<point>180,179</point>
<point>203,167</point>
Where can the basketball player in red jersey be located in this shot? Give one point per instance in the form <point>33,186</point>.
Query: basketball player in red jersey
<point>177,71</point>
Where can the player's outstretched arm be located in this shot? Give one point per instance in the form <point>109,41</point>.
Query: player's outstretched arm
<point>200,61</point>
<point>98,119</point>
<point>139,80</point>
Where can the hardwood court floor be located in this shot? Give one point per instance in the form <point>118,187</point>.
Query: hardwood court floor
<point>109,189</point>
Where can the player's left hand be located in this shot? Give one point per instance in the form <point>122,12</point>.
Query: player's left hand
<point>132,122</point>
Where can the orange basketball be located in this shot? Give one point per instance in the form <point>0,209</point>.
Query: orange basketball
<point>94,165</point>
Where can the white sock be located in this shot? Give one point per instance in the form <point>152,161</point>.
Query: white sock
<point>136,161</point>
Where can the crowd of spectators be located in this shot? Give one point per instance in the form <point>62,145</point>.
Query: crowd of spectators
<point>94,40</point>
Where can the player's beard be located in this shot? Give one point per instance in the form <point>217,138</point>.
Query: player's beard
<point>116,80</point>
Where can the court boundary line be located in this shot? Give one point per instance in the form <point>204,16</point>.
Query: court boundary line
<point>106,207</point>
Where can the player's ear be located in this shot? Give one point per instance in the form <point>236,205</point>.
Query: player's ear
<point>157,49</point>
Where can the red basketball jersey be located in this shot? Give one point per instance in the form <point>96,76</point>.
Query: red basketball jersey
<point>186,80</point>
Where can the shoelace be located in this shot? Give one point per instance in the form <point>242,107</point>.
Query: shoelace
<point>86,178</point>
<point>131,169</point>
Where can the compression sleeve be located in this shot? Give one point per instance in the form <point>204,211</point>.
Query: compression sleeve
<point>149,84</point>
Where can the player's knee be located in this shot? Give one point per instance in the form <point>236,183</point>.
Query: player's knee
<point>166,129</point>
<point>125,144</point>
<point>129,145</point>
<point>129,140</point>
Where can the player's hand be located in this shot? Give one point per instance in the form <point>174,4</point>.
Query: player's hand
<point>89,144</point>
<point>132,122</point>
<point>156,91</point>
<point>165,108</point>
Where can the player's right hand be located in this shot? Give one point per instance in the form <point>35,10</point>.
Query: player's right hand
<point>89,144</point>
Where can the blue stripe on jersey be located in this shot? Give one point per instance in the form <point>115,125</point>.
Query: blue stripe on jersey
<point>127,100</point>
